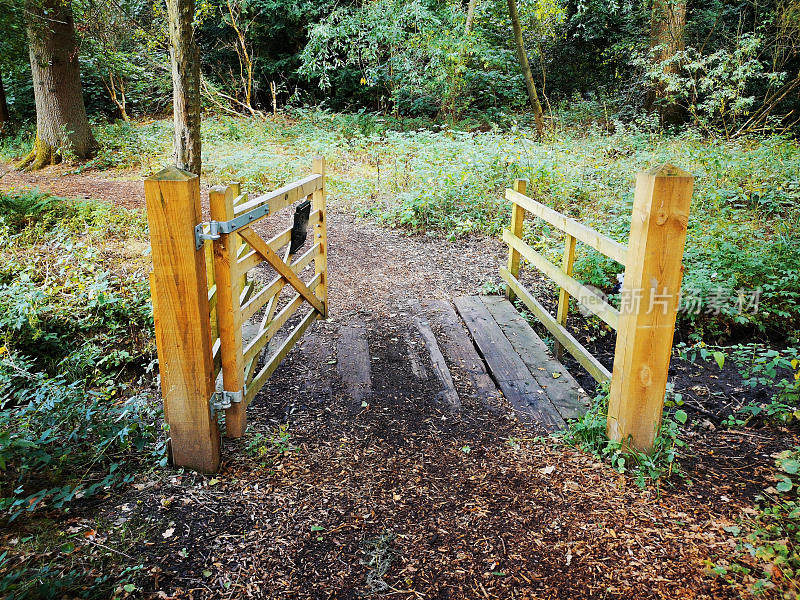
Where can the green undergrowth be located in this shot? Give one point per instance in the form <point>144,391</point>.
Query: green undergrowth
<point>76,353</point>
<point>778,370</point>
<point>767,537</point>
<point>742,258</point>
<point>588,433</point>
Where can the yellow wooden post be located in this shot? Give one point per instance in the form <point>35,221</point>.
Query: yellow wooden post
<point>649,302</point>
<point>181,314</point>
<point>236,190</point>
<point>229,311</point>
<point>517,219</point>
<point>321,234</point>
<point>567,263</point>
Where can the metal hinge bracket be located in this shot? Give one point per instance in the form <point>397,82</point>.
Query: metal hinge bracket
<point>216,228</point>
<point>224,399</point>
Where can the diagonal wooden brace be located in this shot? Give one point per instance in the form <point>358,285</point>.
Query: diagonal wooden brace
<point>260,246</point>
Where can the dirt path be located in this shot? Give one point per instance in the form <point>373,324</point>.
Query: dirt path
<point>392,494</point>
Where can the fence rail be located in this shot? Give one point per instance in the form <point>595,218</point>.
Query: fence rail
<point>652,268</point>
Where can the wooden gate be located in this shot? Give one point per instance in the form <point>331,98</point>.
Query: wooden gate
<point>203,297</point>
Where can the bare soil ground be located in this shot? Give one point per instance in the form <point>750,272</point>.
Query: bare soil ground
<point>396,496</point>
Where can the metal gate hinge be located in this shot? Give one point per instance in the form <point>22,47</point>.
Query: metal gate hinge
<point>224,399</point>
<point>216,228</point>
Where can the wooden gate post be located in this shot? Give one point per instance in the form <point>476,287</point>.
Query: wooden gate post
<point>181,314</point>
<point>517,220</point>
<point>321,234</point>
<point>229,310</point>
<point>649,303</point>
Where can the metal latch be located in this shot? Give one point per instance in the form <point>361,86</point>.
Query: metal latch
<point>215,228</point>
<point>223,400</point>
<point>300,226</point>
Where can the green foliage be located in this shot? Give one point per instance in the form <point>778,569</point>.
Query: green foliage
<point>589,434</point>
<point>768,538</point>
<point>272,446</point>
<point>778,370</point>
<point>75,338</point>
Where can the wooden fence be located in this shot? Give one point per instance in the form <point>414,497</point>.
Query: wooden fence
<point>202,298</point>
<point>650,294</point>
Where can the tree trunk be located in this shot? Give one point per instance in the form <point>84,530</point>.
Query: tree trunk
<point>526,67</point>
<point>470,17</point>
<point>185,59</point>
<point>4,118</point>
<point>667,26</point>
<point>61,123</point>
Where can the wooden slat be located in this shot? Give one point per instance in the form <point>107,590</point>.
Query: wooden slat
<point>281,267</point>
<point>519,387</point>
<point>267,333</point>
<point>255,303</point>
<point>269,368</point>
<point>587,235</point>
<point>586,296</point>
<point>449,393</point>
<point>460,351</point>
<point>353,362</point>
<point>253,258</point>
<point>564,392</point>
<point>573,346</point>
<point>283,196</point>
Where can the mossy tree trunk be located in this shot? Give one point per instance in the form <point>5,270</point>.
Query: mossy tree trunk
<point>4,118</point>
<point>61,123</point>
<point>185,58</point>
<point>522,56</point>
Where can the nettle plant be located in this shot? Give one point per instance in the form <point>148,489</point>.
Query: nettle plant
<point>589,434</point>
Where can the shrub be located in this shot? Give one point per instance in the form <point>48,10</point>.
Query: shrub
<point>75,344</point>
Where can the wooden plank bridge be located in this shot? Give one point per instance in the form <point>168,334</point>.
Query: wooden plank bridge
<point>217,323</point>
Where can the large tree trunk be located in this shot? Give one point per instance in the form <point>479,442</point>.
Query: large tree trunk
<point>667,27</point>
<point>185,84</point>
<point>526,67</point>
<point>4,118</point>
<point>61,123</point>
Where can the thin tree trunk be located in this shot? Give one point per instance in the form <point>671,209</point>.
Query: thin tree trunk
<point>470,17</point>
<point>522,55</point>
<point>667,27</point>
<point>4,118</point>
<point>185,58</point>
<point>61,123</point>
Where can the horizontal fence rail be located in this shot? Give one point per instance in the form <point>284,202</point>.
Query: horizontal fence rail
<point>569,287</point>
<point>652,262</point>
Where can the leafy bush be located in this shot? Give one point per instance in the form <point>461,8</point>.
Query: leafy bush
<point>75,338</point>
<point>758,365</point>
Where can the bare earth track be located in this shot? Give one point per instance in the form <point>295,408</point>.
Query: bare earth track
<point>391,493</point>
